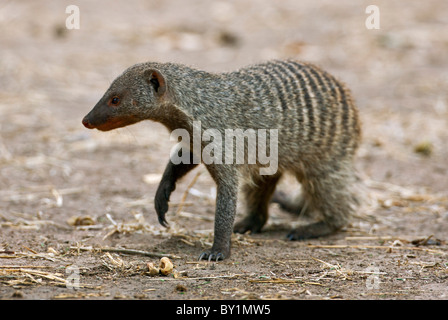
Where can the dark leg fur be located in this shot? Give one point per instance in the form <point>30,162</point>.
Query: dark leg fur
<point>257,195</point>
<point>312,230</point>
<point>167,185</point>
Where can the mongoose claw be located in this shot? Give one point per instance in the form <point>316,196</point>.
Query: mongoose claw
<point>163,221</point>
<point>161,210</point>
<point>291,237</point>
<point>161,202</point>
<point>300,234</point>
<point>211,256</point>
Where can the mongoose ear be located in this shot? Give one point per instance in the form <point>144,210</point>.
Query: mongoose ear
<point>156,80</point>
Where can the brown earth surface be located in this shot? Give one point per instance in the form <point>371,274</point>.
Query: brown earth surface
<point>55,174</point>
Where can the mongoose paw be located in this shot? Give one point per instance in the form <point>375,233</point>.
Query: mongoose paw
<point>213,255</point>
<point>296,236</point>
<point>163,221</point>
<point>250,223</point>
<point>161,209</point>
<point>310,231</point>
<point>161,201</point>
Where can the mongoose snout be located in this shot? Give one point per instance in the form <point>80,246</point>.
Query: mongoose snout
<point>86,123</point>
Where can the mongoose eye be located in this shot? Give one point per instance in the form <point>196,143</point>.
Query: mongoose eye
<point>115,101</point>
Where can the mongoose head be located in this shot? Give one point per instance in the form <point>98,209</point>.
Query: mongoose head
<point>136,95</point>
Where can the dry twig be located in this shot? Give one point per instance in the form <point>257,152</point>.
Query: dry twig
<point>184,196</point>
<point>337,246</point>
<point>127,251</point>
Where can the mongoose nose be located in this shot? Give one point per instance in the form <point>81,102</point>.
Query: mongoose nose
<point>86,123</point>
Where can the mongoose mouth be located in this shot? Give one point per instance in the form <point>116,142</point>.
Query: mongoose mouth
<point>110,124</point>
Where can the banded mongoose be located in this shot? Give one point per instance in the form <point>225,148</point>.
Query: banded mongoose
<point>318,134</point>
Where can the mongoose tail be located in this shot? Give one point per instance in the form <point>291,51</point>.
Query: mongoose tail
<point>318,135</point>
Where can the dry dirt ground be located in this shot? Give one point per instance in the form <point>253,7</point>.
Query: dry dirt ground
<point>66,192</point>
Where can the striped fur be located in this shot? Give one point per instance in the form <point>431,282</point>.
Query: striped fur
<point>319,134</point>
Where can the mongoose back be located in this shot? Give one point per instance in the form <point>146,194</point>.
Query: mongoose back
<point>314,115</point>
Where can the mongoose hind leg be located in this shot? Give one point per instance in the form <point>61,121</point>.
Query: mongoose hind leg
<point>330,198</point>
<point>288,203</point>
<point>257,194</point>
<point>297,205</point>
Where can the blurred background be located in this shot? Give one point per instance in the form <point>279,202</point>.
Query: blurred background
<point>51,76</point>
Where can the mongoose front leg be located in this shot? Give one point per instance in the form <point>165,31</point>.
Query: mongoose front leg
<point>226,201</point>
<point>172,173</point>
